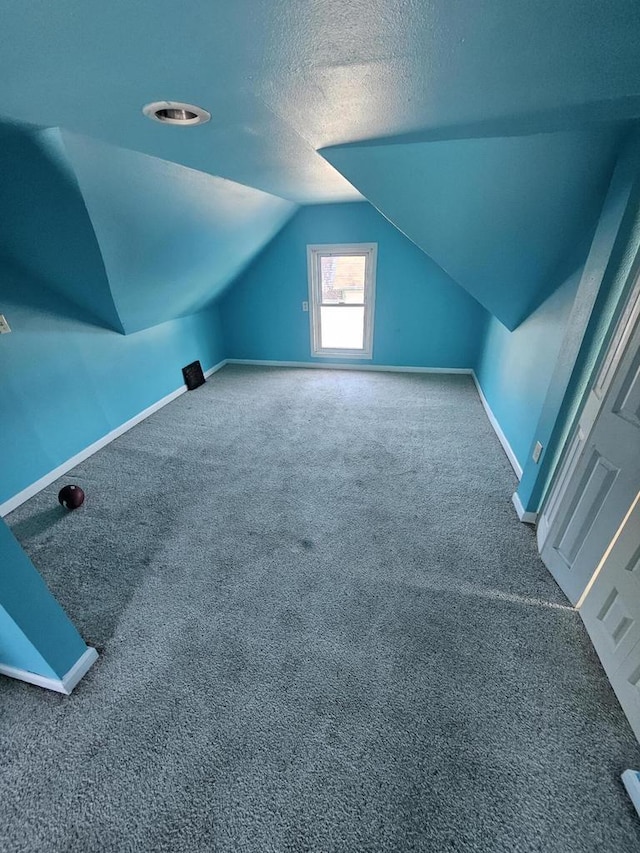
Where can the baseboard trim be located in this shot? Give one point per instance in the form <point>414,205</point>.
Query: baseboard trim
<point>502,438</point>
<point>214,369</point>
<point>382,368</point>
<point>523,514</point>
<point>12,503</point>
<point>58,685</point>
<point>80,668</point>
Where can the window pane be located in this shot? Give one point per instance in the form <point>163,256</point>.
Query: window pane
<point>342,279</point>
<point>341,327</point>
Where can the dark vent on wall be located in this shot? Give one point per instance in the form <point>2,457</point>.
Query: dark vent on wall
<point>193,375</point>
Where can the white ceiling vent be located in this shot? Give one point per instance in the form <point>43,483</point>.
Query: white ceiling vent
<point>175,112</point>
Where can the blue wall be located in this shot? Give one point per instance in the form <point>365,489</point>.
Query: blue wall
<point>535,378</point>
<point>65,383</point>
<point>422,317</point>
<point>606,272</point>
<point>35,633</point>
<point>515,368</point>
<point>16,650</point>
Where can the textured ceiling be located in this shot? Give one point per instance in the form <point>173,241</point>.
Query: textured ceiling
<point>167,215</point>
<point>283,78</point>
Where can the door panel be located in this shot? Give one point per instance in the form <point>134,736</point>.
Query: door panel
<point>611,614</point>
<point>600,476</point>
<point>593,489</point>
<point>626,684</point>
<point>628,406</point>
<point>557,497</point>
<point>618,344</point>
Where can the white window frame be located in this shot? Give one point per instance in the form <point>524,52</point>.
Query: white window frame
<point>314,253</point>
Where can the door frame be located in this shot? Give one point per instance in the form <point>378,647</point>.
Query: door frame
<point>622,325</point>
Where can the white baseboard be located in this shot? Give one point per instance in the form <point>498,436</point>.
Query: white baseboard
<point>523,514</point>
<point>24,495</point>
<point>502,438</point>
<point>214,369</point>
<point>383,368</point>
<point>59,685</point>
<point>79,669</point>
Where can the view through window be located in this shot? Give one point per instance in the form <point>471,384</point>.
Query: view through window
<point>341,291</point>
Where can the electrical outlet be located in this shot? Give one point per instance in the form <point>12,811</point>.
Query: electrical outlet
<point>537,452</point>
<point>4,326</point>
<point>305,306</point>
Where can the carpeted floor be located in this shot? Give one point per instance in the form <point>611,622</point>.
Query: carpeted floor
<point>322,628</point>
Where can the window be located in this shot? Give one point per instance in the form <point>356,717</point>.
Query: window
<point>341,296</point>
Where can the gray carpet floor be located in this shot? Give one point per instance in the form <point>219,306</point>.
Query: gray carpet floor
<point>321,628</point>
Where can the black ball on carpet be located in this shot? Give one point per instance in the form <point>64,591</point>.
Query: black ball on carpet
<point>71,497</point>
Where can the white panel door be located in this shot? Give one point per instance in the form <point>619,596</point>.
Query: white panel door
<point>611,614</point>
<point>600,475</point>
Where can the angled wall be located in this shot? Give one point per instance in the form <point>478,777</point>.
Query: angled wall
<point>609,270</point>
<point>172,238</point>
<point>422,317</point>
<point>45,229</point>
<point>35,634</point>
<point>515,368</point>
<point>534,377</point>
<point>499,215</point>
<point>65,383</point>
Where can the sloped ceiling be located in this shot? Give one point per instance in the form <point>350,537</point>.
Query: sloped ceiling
<point>45,230</point>
<point>171,238</point>
<point>130,239</point>
<point>285,79</point>
<point>499,215</point>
